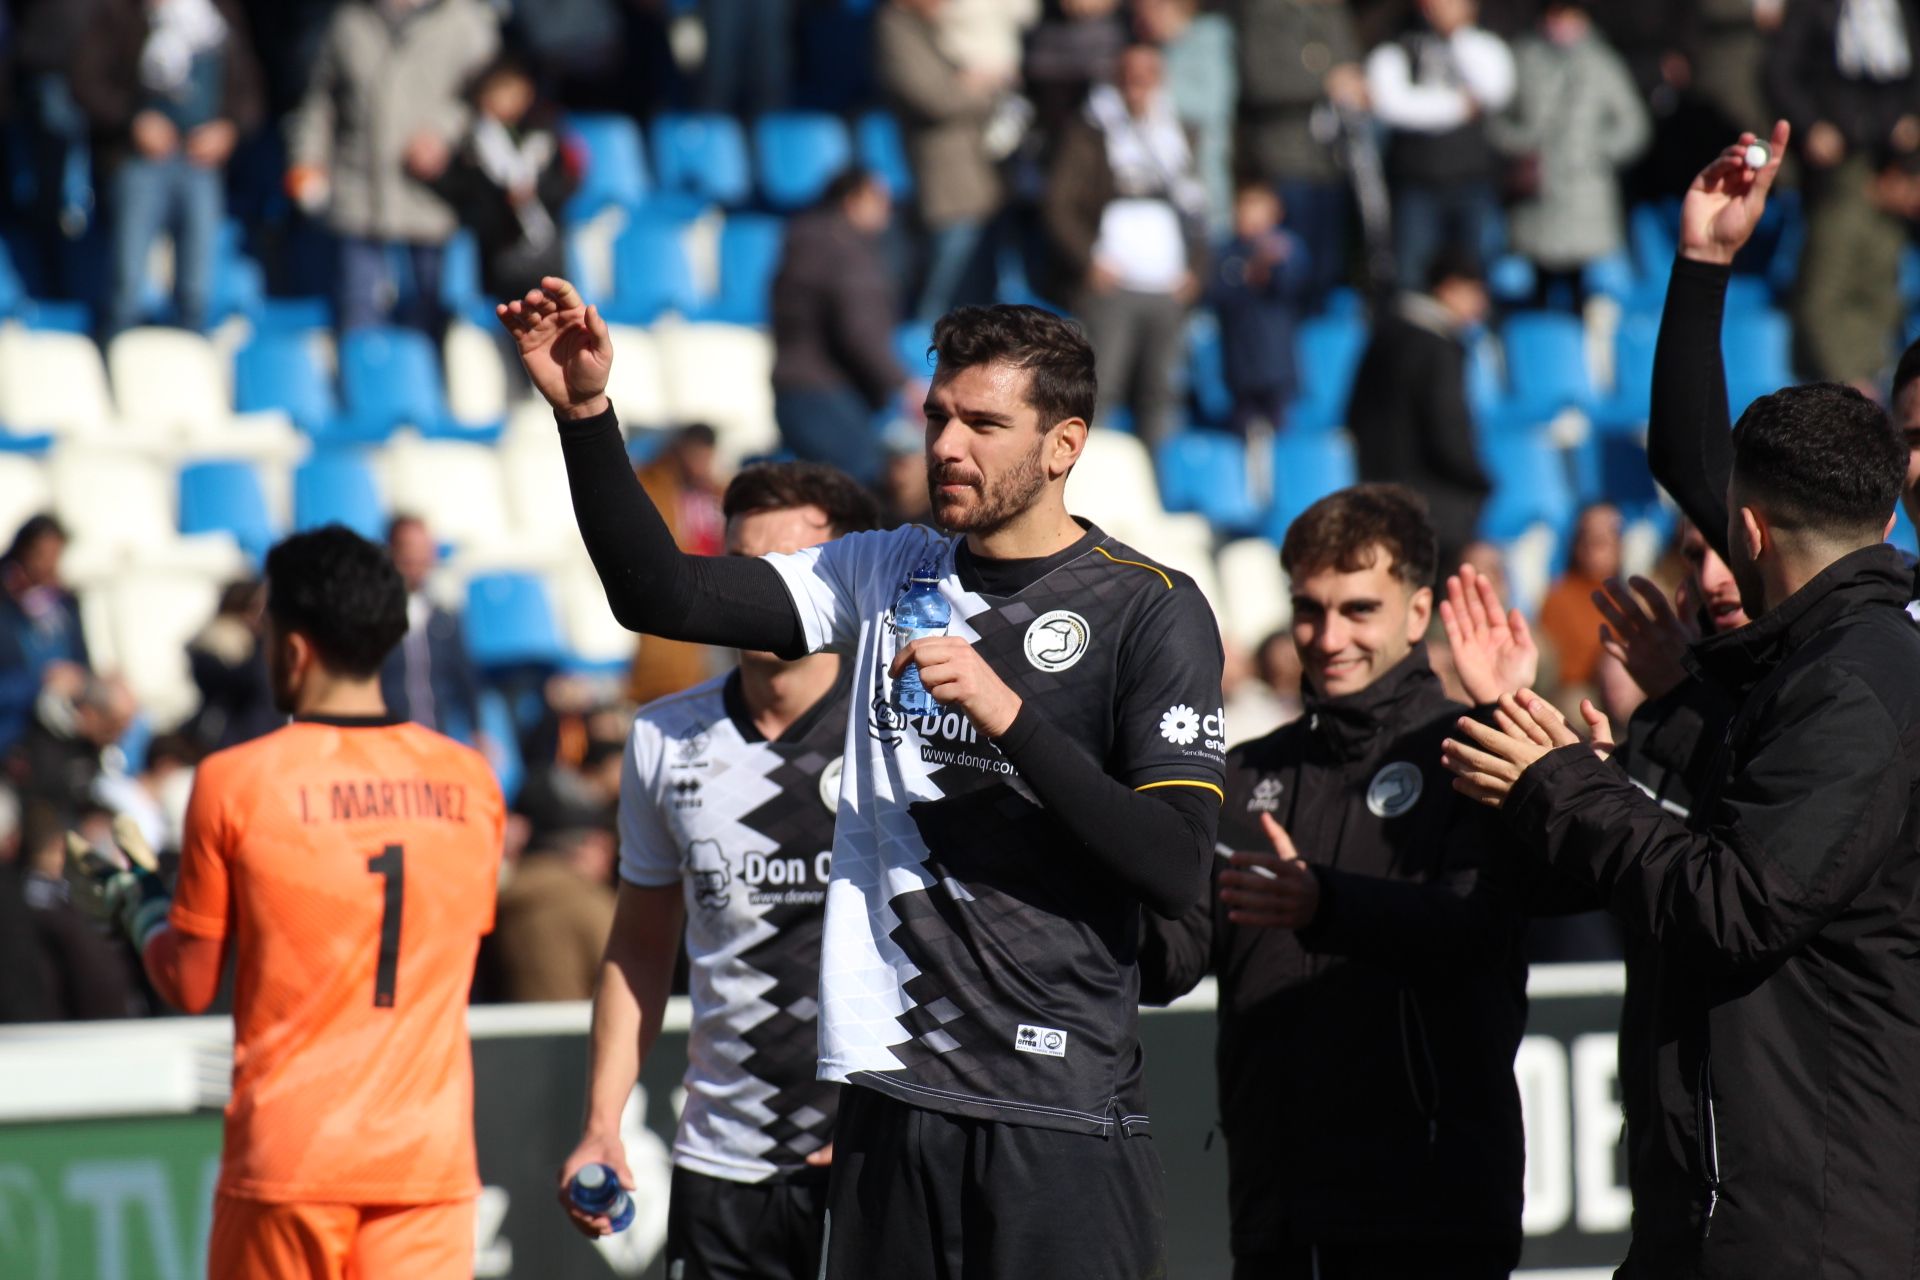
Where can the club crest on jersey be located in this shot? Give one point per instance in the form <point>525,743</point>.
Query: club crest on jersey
<point>830,783</point>
<point>692,746</point>
<point>1395,789</point>
<point>1266,796</point>
<point>1057,640</point>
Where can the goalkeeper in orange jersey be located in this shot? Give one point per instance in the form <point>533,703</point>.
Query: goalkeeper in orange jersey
<point>346,865</point>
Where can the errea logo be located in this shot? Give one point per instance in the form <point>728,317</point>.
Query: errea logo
<point>1048,1042</point>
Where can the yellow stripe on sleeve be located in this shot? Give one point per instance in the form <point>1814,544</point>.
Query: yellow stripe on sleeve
<point>1138,565</point>
<point>1181,782</point>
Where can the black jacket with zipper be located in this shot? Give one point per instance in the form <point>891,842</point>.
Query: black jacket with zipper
<point>1365,1062</point>
<point>1772,1047</point>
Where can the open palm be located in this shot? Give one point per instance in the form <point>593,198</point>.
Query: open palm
<point>1725,202</point>
<point>1493,650</point>
<point>564,345</point>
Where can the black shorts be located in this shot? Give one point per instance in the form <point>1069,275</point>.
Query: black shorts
<point>721,1230</point>
<point>920,1195</point>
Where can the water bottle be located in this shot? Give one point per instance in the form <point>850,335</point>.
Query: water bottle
<point>920,611</point>
<point>596,1189</point>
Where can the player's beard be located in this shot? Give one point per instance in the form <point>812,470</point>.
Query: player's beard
<point>1001,501</point>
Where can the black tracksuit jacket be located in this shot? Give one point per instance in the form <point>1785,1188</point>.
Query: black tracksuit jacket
<point>1365,1062</point>
<point>1770,1054</point>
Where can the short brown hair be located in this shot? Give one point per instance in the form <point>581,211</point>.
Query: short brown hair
<point>782,486</point>
<point>1053,350</point>
<point>1342,530</point>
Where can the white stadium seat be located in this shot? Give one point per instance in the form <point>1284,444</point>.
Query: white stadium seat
<point>52,382</point>
<point>538,500</point>
<point>453,485</point>
<point>112,500</point>
<point>586,621</point>
<point>169,381</point>
<point>1113,484</point>
<point>1254,590</point>
<point>636,384</point>
<point>23,492</point>
<point>153,615</point>
<point>477,376</point>
<point>720,374</point>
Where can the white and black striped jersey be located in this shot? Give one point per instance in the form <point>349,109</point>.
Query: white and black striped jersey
<point>976,962</point>
<point>746,826</point>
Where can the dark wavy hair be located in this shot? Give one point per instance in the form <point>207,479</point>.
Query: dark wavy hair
<point>1820,457</point>
<point>342,593</point>
<point>1342,531</point>
<point>1054,352</point>
<point>781,486</point>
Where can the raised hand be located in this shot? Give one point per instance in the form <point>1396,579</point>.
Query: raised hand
<point>1493,649</point>
<point>1725,202</point>
<point>1644,635</point>
<point>564,345</point>
<point>1276,890</point>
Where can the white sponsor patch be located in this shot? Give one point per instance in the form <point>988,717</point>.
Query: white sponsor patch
<point>1180,725</point>
<point>1049,1042</point>
<point>830,783</point>
<point>1057,640</point>
<point>1395,789</point>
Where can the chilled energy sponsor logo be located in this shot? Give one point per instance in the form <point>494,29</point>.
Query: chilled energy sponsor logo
<point>1181,725</point>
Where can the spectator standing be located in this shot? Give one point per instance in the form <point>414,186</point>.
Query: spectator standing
<point>169,87</point>
<point>1569,618</point>
<point>1297,57</point>
<point>1843,74</point>
<point>1073,47</point>
<point>1371,982</point>
<point>555,913</point>
<point>944,109</point>
<point>58,160</point>
<point>384,109</point>
<point>428,677</point>
<point>1202,81</point>
<point>748,64</point>
<point>1576,120</point>
<point>1257,285</point>
<point>509,178</point>
<point>1434,88</point>
<point>1409,414</point>
<point>834,312</point>
<point>685,487</point>
<point>1126,211</point>
<point>39,621</point>
<point>86,972</point>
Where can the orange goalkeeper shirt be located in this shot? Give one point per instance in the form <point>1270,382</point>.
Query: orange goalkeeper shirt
<point>353,865</point>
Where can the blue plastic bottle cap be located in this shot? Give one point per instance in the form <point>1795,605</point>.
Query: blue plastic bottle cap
<point>1757,155</point>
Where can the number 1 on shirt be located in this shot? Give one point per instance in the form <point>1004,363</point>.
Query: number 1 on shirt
<point>391,864</point>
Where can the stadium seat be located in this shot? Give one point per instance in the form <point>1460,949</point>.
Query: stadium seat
<point>13,293</point>
<point>24,492</point>
<point>750,245</point>
<point>1511,279</point>
<point>703,155</point>
<point>1255,591</point>
<point>510,622</point>
<point>153,616</point>
<point>1207,389</point>
<point>336,486</point>
<point>502,738</point>
<point>460,291</point>
<point>595,639</point>
<point>1653,232</point>
<point>1113,483</point>
<point>282,370</point>
<point>1329,351</point>
<point>298,315</point>
<point>637,386</point>
<point>1757,344</point>
<point>112,500</point>
<point>169,380</point>
<point>1633,344</point>
<point>1530,486</point>
<point>1546,365</point>
<point>52,382</point>
<point>1206,472</point>
<point>1612,276</point>
<point>390,378</point>
<point>651,273</point>
<point>226,497</point>
<point>797,153</point>
<point>615,171</point>
<point>877,139</point>
<point>453,485</point>
<point>539,500</point>
<point>477,376</point>
<point>910,346</point>
<point>721,374</point>
<point>1306,468</point>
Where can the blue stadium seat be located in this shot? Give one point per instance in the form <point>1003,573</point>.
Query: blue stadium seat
<point>703,155</point>
<point>226,497</point>
<point>460,290</point>
<point>1625,479</point>
<point>1530,486</point>
<point>1653,229</point>
<point>510,622</point>
<point>1206,371</point>
<point>616,164</point>
<point>877,138</point>
<point>1306,468</point>
<point>1206,471</point>
<point>750,245</point>
<point>1757,344</point>
<point>1903,535</point>
<point>651,274</point>
<point>910,343</point>
<point>1612,276</point>
<point>278,370</point>
<point>279,315</point>
<point>13,293</point>
<point>336,486</point>
<point>503,743</point>
<point>797,153</point>
<point>390,377</point>
<point>1512,279</point>
<point>1633,342</point>
<point>1546,364</point>
<point>1329,351</point>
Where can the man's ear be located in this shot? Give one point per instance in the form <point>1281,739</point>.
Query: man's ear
<point>1753,528</point>
<point>1068,443</point>
<point>1419,614</point>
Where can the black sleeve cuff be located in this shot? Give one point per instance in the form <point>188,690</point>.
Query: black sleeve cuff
<point>1529,804</point>
<point>1702,275</point>
<point>581,428</point>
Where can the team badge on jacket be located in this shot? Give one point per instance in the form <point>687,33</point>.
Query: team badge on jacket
<point>1057,640</point>
<point>1395,789</point>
